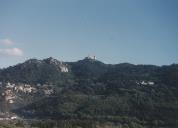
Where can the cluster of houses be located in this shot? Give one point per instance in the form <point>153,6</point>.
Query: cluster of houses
<point>10,90</point>
<point>145,83</point>
<point>26,88</point>
<point>9,96</point>
<point>7,116</point>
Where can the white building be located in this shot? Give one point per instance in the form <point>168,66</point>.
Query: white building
<point>91,57</point>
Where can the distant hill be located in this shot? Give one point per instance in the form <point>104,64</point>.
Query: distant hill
<point>37,71</point>
<point>89,89</point>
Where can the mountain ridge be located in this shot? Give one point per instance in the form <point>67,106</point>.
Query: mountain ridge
<point>86,58</point>
<point>91,89</point>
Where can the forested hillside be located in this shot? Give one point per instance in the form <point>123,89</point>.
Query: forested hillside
<point>127,94</point>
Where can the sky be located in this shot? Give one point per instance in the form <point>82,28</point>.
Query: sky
<point>115,31</point>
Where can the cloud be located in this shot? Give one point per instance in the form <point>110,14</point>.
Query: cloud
<point>6,42</point>
<point>11,52</point>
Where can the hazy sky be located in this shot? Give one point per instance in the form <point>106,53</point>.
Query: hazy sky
<point>116,31</point>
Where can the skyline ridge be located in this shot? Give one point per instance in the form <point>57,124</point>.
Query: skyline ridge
<point>84,58</point>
